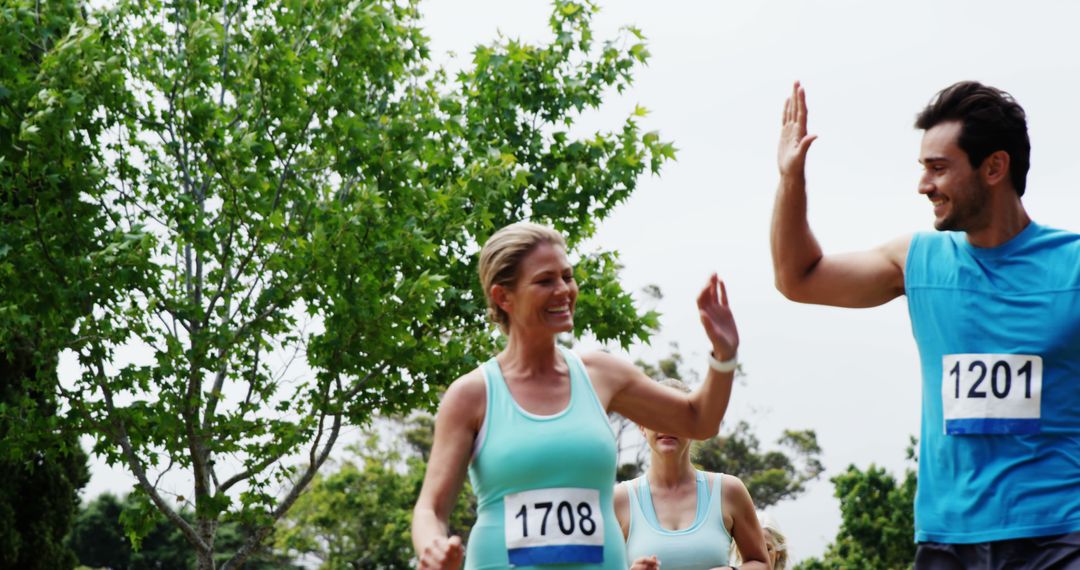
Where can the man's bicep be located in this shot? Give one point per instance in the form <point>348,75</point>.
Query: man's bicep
<point>857,279</point>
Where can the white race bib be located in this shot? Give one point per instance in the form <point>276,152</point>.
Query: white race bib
<point>560,525</point>
<point>991,393</point>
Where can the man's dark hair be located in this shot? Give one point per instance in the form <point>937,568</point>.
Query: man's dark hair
<point>991,121</point>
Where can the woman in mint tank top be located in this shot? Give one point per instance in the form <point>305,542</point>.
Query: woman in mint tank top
<point>678,518</point>
<point>529,426</point>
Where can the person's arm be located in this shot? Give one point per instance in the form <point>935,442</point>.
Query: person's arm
<point>745,528</point>
<point>625,389</point>
<point>621,498</point>
<point>456,424</point>
<point>803,273</point>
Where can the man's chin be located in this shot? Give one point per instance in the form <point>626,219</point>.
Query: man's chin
<point>945,225</point>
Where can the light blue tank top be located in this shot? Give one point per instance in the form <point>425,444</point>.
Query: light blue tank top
<point>705,544</point>
<point>544,483</point>
<point>998,331</point>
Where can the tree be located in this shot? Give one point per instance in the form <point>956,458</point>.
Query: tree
<point>360,515</point>
<point>100,540</point>
<point>97,538</point>
<point>296,184</point>
<point>54,76</point>
<point>877,521</point>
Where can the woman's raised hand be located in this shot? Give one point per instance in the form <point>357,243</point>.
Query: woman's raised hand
<point>717,319</point>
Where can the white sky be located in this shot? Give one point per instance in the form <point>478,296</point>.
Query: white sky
<point>715,86</point>
<point>716,83</point>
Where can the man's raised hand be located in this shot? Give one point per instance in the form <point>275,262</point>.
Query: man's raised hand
<point>794,142</point>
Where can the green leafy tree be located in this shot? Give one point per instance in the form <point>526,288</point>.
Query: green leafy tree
<point>99,540</point>
<point>360,515</point>
<point>294,183</point>
<point>770,476</point>
<point>54,76</point>
<point>877,521</point>
<point>38,500</point>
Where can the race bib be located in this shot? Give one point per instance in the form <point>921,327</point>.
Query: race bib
<point>562,525</point>
<point>991,393</point>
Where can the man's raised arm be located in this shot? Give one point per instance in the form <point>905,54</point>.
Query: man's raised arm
<point>803,273</point>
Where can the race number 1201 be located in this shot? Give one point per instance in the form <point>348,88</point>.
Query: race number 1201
<point>991,393</point>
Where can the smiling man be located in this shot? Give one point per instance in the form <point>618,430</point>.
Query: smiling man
<point>994,300</point>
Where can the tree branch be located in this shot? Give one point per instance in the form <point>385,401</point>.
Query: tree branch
<point>256,537</point>
<point>247,473</point>
<point>137,469</point>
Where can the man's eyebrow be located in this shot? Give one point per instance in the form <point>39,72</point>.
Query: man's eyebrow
<point>929,159</point>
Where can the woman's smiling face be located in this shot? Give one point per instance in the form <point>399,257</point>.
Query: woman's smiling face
<point>545,293</point>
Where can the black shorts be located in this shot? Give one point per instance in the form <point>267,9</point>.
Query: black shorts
<point>1057,552</point>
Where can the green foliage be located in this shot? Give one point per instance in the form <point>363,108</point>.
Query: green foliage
<point>420,435</point>
<point>878,522</point>
<point>99,540</point>
<point>770,476</point>
<point>267,183</point>
<point>52,76</point>
<point>96,536</point>
<point>360,515</point>
<point>38,500</point>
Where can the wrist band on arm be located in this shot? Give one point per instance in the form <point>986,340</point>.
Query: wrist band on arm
<point>728,365</point>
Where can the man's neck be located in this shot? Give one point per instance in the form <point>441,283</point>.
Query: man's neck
<point>1007,221</point>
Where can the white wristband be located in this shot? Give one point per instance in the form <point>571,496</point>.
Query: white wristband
<point>724,365</point>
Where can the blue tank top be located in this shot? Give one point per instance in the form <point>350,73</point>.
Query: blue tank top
<point>544,483</point>
<point>704,544</point>
<point>998,332</point>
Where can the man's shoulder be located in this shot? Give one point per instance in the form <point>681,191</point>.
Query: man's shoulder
<point>1057,238</point>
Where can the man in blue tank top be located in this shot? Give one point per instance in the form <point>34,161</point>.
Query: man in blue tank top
<point>994,300</point>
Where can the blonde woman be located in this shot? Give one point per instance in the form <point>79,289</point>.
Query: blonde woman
<point>678,518</point>
<point>530,425</point>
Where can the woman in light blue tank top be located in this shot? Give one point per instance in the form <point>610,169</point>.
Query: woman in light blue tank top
<point>678,518</point>
<point>529,426</point>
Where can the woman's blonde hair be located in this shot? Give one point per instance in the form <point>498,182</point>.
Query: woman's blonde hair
<point>501,256</point>
<point>778,539</point>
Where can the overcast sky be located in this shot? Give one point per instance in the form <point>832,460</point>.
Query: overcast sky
<point>715,86</point>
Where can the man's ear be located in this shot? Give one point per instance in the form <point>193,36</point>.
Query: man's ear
<point>995,168</point>
<point>501,296</point>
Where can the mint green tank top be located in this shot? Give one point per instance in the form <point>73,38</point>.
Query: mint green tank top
<point>705,544</point>
<point>544,483</point>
